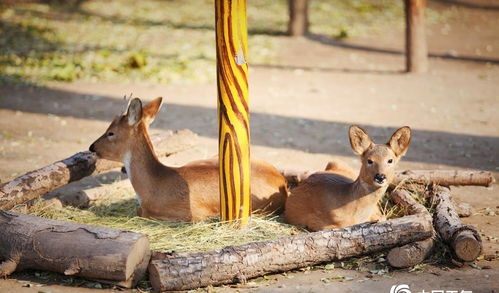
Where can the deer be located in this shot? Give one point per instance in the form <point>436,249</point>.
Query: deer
<point>335,198</point>
<point>189,193</point>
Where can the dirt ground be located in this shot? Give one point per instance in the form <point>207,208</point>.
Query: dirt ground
<point>301,110</point>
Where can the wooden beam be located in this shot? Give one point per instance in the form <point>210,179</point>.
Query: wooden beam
<point>233,113</point>
<point>415,36</point>
<point>298,17</point>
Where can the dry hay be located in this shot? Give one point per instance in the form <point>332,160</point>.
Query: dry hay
<point>118,210</point>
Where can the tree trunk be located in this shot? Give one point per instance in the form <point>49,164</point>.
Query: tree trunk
<point>298,17</point>
<point>463,239</point>
<point>416,47</point>
<point>183,271</point>
<point>426,177</point>
<point>445,177</point>
<point>416,252</point>
<point>48,178</point>
<point>104,254</point>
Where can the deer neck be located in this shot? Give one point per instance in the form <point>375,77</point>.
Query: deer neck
<point>365,191</point>
<point>143,166</point>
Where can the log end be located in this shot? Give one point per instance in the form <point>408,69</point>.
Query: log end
<point>137,262</point>
<point>466,246</point>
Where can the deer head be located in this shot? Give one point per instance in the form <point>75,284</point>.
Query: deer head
<point>379,161</point>
<point>126,129</point>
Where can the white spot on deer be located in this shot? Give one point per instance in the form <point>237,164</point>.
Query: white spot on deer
<point>127,160</point>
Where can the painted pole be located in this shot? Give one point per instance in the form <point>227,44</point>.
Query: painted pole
<point>233,116</point>
<point>415,36</point>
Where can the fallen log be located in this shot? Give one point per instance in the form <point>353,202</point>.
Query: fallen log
<point>84,197</point>
<point>416,252</point>
<point>426,177</point>
<point>104,254</point>
<point>445,177</point>
<point>35,183</point>
<point>464,240</point>
<point>411,254</point>
<point>183,271</point>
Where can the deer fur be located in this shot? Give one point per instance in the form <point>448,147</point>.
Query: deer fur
<point>337,198</point>
<point>187,193</point>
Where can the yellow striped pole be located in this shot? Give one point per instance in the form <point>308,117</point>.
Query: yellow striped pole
<point>233,116</point>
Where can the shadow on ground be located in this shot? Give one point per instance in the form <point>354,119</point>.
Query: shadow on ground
<point>461,150</point>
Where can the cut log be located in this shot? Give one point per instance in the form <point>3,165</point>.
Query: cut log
<point>426,177</point>
<point>415,36</point>
<point>445,177</point>
<point>298,17</point>
<point>35,183</point>
<point>183,271</point>
<point>411,254</point>
<point>464,240</point>
<point>104,254</point>
<point>83,198</point>
<point>416,252</point>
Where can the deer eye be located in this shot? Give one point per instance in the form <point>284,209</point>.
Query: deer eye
<point>369,162</point>
<point>390,161</point>
<point>110,134</point>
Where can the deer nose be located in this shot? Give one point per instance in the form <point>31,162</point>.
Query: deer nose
<point>92,148</point>
<point>380,178</point>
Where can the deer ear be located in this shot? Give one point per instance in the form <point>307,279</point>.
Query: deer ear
<point>134,112</point>
<point>150,110</point>
<point>400,140</point>
<point>359,140</point>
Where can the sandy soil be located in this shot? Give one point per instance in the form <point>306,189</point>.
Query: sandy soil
<point>301,110</point>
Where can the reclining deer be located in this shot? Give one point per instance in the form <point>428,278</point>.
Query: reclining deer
<point>335,199</point>
<point>187,193</point>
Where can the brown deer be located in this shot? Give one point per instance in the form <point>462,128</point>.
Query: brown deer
<point>187,193</point>
<point>334,198</point>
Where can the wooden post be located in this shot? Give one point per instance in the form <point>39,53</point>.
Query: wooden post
<point>233,116</point>
<point>298,17</point>
<point>415,37</point>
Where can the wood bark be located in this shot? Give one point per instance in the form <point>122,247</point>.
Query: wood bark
<point>410,254</point>
<point>298,17</point>
<point>445,177</point>
<point>426,177</point>
<point>35,183</point>
<point>104,254</point>
<point>464,240</point>
<point>183,271</point>
<point>416,46</point>
<point>416,252</point>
